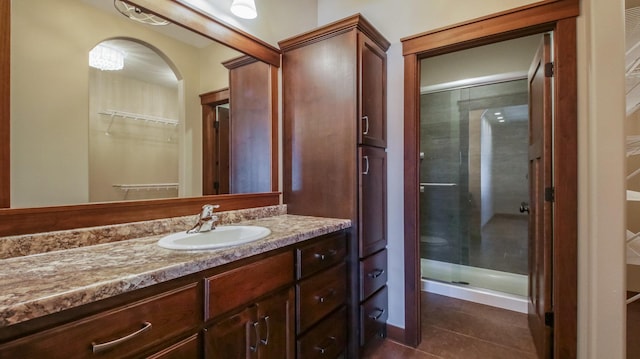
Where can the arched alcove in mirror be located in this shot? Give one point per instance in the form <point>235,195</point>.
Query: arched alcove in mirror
<point>53,149</point>
<point>134,127</point>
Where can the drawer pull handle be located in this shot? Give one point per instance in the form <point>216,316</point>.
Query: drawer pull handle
<point>254,348</point>
<point>376,273</point>
<point>266,321</point>
<point>377,314</point>
<point>324,348</point>
<point>97,348</point>
<point>323,299</point>
<point>366,125</point>
<point>328,255</point>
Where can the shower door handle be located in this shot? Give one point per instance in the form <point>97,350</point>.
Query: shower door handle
<point>524,207</point>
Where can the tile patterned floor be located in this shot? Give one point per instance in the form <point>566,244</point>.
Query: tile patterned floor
<point>502,245</point>
<point>457,329</point>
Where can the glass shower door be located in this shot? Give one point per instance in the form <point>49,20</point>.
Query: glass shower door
<point>473,178</point>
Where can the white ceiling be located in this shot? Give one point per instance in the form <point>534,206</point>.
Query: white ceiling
<point>142,62</point>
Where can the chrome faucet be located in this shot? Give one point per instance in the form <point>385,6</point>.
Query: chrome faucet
<point>207,220</point>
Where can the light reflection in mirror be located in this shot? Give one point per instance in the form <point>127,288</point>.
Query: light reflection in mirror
<point>50,161</point>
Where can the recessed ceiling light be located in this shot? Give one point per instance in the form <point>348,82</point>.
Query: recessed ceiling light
<point>500,117</point>
<point>497,113</point>
<point>501,121</point>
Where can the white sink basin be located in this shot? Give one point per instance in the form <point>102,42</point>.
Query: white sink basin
<point>222,236</point>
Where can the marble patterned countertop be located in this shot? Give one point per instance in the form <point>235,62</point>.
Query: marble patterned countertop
<point>36,285</point>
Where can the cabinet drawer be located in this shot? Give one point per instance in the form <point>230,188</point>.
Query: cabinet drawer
<point>117,333</point>
<point>320,255</point>
<point>233,288</point>
<point>187,348</point>
<point>373,317</point>
<point>319,295</point>
<point>373,271</point>
<point>327,339</point>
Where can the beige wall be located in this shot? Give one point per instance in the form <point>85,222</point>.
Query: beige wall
<point>49,101</point>
<point>129,151</point>
<point>506,57</point>
<point>601,183</point>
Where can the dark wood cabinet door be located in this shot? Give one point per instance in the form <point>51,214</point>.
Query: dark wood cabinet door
<point>372,200</point>
<point>373,128</point>
<point>275,326</point>
<point>233,337</point>
<point>263,330</point>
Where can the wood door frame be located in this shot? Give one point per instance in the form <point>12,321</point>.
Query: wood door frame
<point>209,101</point>
<point>559,17</point>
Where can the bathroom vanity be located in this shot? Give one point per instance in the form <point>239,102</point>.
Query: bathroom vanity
<point>279,297</point>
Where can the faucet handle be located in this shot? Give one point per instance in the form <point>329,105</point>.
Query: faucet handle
<point>207,210</point>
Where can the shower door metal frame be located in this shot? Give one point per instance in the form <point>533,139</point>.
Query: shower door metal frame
<point>558,17</point>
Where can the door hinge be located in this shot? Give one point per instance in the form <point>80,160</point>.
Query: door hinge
<point>548,69</point>
<point>216,124</point>
<point>216,185</point>
<point>550,194</point>
<point>548,319</point>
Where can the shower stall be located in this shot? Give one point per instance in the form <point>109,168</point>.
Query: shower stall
<point>474,192</point>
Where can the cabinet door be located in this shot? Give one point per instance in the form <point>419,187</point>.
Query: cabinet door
<point>264,330</point>
<point>372,200</point>
<point>235,336</point>
<point>373,128</point>
<point>275,326</point>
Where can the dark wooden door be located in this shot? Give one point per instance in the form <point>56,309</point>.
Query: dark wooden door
<point>215,124</point>
<point>372,219</point>
<point>540,226</point>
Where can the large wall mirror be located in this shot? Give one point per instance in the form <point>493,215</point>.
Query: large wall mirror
<point>89,137</point>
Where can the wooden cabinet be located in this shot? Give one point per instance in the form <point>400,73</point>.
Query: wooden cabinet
<point>373,67</point>
<point>117,333</point>
<point>261,330</point>
<point>334,122</point>
<point>321,294</point>
<point>188,348</point>
<point>372,200</point>
<point>268,307</point>
<point>247,319</point>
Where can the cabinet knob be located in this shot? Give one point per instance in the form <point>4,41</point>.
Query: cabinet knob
<point>326,345</point>
<point>375,273</point>
<point>323,256</point>
<point>324,298</point>
<point>376,314</point>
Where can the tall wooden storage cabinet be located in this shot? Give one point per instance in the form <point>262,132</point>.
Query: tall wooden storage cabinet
<point>334,113</point>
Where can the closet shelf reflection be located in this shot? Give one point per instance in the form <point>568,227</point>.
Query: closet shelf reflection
<point>146,187</point>
<point>140,117</point>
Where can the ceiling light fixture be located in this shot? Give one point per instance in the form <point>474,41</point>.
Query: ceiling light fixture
<point>136,14</point>
<point>106,58</point>
<point>245,9</point>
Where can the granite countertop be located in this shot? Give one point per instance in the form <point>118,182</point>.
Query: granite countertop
<point>37,285</point>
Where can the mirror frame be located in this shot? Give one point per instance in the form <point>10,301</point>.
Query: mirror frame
<point>15,221</point>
